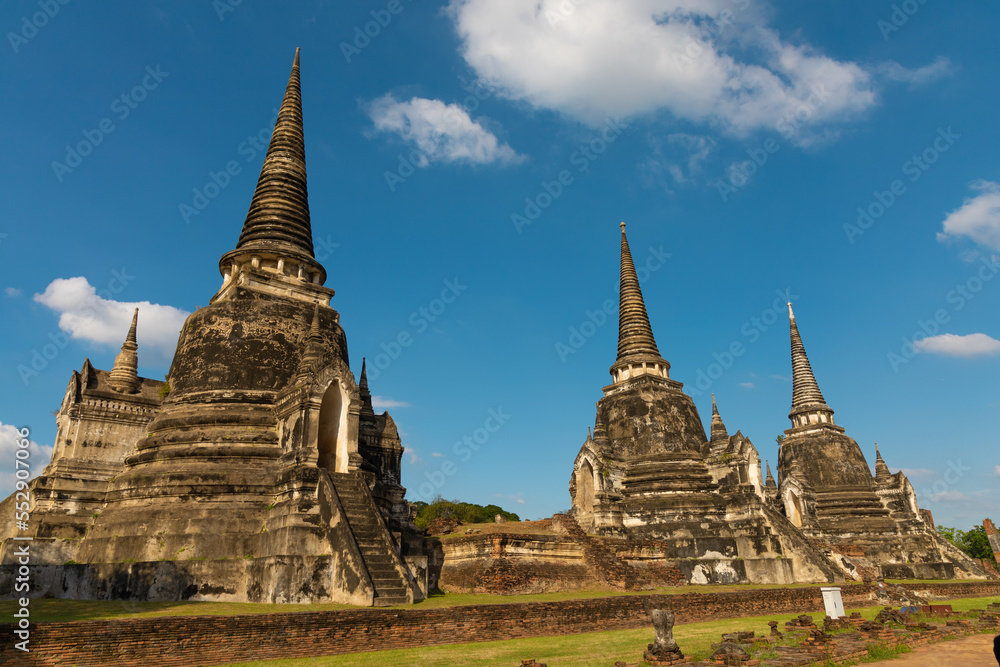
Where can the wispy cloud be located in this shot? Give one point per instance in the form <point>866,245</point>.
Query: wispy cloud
<point>996,471</point>
<point>677,160</point>
<point>12,291</point>
<point>952,345</point>
<point>948,497</point>
<point>516,497</point>
<point>747,385</point>
<point>381,403</point>
<point>441,132</point>
<point>893,71</point>
<point>919,474</point>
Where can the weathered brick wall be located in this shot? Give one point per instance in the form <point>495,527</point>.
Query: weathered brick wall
<point>207,640</point>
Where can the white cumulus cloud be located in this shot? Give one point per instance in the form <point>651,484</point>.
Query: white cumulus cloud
<point>706,61</point>
<point>86,316</point>
<point>978,218</point>
<point>441,132</point>
<point>952,345</point>
<point>38,457</point>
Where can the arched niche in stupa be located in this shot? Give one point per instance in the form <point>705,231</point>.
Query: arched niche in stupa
<point>331,441</point>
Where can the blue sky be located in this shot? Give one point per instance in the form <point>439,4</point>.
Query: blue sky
<point>486,150</point>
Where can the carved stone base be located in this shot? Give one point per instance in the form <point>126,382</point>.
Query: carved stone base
<point>663,655</point>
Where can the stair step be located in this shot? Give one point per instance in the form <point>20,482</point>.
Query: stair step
<point>379,557</point>
<point>386,569</point>
<point>370,535</point>
<point>390,602</point>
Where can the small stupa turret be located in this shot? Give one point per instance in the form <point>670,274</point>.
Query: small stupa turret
<point>366,395</point>
<point>313,345</point>
<point>124,377</point>
<point>882,473</point>
<point>769,481</point>
<point>719,432</point>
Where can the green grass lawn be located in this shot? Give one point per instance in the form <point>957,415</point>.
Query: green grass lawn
<point>593,648</point>
<point>48,611</point>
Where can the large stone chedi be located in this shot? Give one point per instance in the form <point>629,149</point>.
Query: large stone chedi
<point>648,471</point>
<point>869,524</point>
<point>264,474</point>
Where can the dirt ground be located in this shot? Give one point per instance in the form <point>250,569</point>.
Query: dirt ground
<point>974,651</point>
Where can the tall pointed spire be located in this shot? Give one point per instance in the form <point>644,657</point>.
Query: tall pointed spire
<point>806,396</point>
<point>277,229</point>
<point>124,376</point>
<point>636,345</point>
<point>279,211</point>
<point>635,336</point>
<point>719,431</point>
<point>769,481</point>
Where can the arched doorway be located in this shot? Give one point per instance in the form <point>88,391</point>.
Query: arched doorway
<point>330,413</point>
<point>585,487</point>
<point>793,507</point>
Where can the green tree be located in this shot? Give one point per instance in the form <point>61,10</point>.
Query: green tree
<point>976,543</point>
<point>973,542</point>
<point>440,508</point>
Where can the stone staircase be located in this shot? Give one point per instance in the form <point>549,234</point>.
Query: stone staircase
<point>602,560</point>
<point>373,539</point>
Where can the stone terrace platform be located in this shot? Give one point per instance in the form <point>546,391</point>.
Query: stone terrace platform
<point>208,640</point>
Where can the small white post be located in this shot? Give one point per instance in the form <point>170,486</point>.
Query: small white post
<point>833,602</point>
